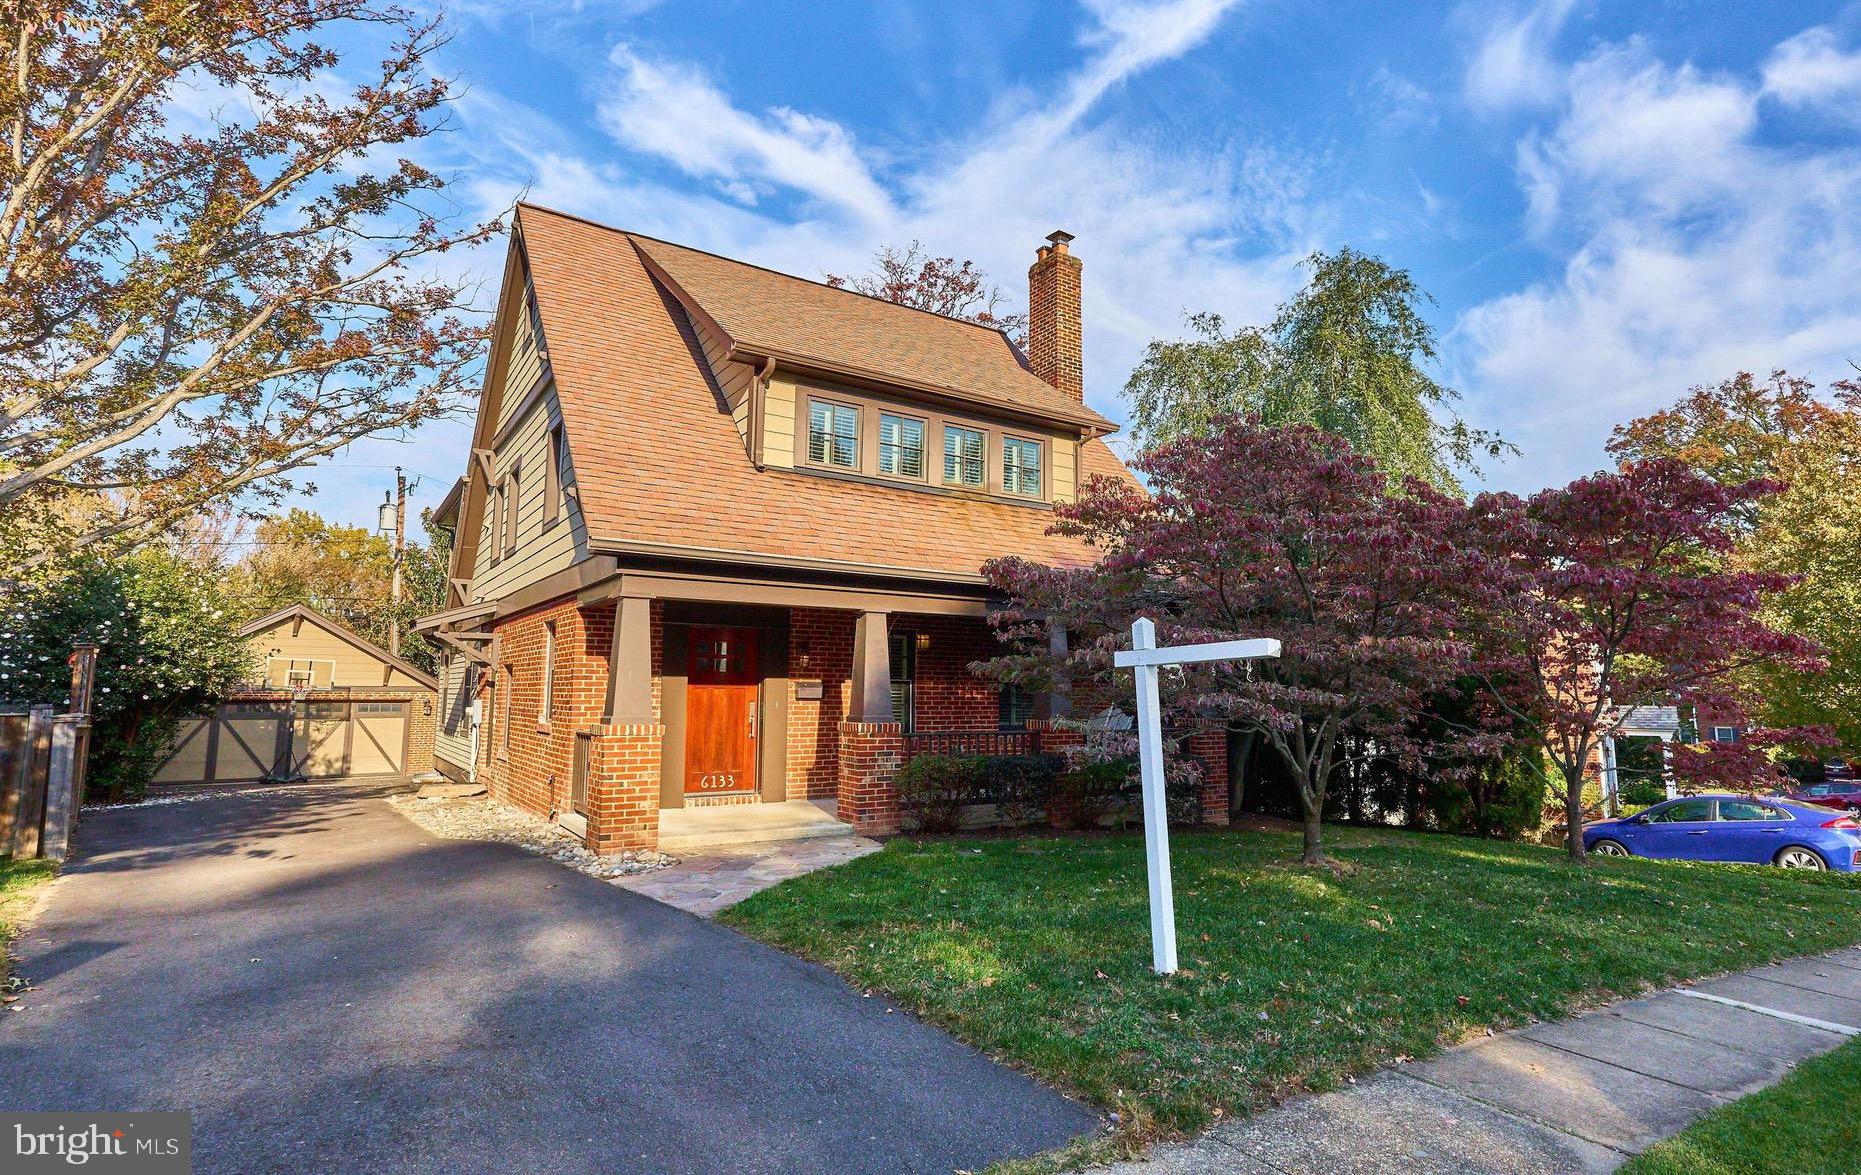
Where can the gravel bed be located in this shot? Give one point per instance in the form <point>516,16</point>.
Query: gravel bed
<point>488,819</point>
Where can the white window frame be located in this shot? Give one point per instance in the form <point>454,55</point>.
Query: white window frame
<point>1040,467</point>
<point>832,407</point>
<point>549,673</point>
<point>923,449</point>
<point>982,458</point>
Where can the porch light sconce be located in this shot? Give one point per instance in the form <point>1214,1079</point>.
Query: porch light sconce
<point>802,650</point>
<point>923,642</point>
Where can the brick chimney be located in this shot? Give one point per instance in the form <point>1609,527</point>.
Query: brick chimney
<point>1054,347</point>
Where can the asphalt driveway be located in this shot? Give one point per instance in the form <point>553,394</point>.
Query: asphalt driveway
<point>327,986</point>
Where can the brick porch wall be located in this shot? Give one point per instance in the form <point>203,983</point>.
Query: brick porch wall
<point>1210,750</point>
<point>623,787</point>
<point>869,758</point>
<point>535,771</point>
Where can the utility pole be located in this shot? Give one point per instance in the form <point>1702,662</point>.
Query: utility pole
<point>400,554</point>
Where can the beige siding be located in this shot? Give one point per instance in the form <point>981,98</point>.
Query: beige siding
<point>779,423</point>
<point>333,660</point>
<point>452,741</point>
<point>541,549</point>
<point>733,379</point>
<point>525,364</point>
<point>1065,469</point>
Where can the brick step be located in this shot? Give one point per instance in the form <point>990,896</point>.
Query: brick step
<point>686,830</point>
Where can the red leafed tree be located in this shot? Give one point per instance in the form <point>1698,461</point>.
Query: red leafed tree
<point>1270,532</point>
<point>220,259</point>
<point>1623,602</point>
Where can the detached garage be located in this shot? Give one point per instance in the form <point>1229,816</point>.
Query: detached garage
<point>331,704</point>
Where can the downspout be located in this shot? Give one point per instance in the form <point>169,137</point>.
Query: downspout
<point>759,399</point>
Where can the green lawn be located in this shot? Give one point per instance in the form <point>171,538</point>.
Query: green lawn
<point>1038,951</point>
<point>19,885</point>
<point>1804,1126</point>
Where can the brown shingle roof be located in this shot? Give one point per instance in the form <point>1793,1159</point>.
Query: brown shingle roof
<point>764,313</point>
<point>659,463</point>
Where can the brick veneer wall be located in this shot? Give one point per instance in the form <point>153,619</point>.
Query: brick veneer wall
<point>868,761</point>
<point>536,771</point>
<point>948,695</point>
<point>820,648</point>
<point>1210,750</point>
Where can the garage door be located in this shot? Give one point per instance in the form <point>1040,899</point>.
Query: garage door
<point>378,743</point>
<point>244,741</point>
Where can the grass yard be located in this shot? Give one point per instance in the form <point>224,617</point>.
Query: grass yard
<point>19,886</point>
<point>1038,951</point>
<point>1803,1125</point>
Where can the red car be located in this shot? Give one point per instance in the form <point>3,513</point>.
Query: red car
<point>1830,793</point>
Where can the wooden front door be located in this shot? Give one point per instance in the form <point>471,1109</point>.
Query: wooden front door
<point>720,712</point>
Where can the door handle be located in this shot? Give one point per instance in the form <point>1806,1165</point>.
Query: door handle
<point>752,720</point>
<point>1696,832</point>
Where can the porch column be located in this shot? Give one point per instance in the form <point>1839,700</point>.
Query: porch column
<point>623,751</point>
<point>870,742</point>
<point>871,687</point>
<point>1058,701</point>
<point>630,664</point>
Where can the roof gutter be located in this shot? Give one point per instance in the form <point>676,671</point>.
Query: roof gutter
<point>1086,421</point>
<point>613,546</point>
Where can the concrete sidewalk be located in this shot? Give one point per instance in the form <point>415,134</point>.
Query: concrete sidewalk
<point>1577,1095</point>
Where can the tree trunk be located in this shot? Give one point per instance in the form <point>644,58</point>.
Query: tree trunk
<point>1313,851</point>
<point>1573,813</point>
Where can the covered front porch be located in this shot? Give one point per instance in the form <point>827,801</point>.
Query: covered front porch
<point>775,696</point>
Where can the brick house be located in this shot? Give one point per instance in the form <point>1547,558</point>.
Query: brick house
<point>721,535</point>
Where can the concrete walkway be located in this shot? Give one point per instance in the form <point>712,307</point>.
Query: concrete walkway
<point>326,986</point>
<point>1577,1095</point>
<point>705,882</point>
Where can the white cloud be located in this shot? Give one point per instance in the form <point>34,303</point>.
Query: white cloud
<point>1512,64</point>
<point>1810,69</point>
<point>673,111</point>
<point>1692,250</point>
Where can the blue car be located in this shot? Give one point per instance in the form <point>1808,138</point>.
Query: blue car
<point>1760,830</point>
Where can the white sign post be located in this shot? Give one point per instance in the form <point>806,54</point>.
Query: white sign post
<point>1145,657</point>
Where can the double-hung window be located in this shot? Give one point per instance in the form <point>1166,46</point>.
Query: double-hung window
<point>1021,467</point>
<point>833,434</point>
<point>901,445</point>
<point>962,456</point>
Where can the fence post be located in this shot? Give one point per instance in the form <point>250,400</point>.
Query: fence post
<point>63,777</point>
<point>34,766</point>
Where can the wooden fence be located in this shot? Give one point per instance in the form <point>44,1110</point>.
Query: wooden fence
<point>42,759</point>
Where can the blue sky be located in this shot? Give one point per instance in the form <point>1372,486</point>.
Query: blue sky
<point>1610,201</point>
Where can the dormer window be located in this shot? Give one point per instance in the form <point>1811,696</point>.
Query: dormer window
<point>833,434</point>
<point>901,445</point>
<point>1021,467</point>
<point>963,450</point>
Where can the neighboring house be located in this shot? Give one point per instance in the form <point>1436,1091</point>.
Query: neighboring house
<point>721,537</point>
<point>329,704</point>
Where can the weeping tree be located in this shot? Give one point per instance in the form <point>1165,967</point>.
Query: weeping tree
<point>1349,355</point>
<point>219,260</point>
